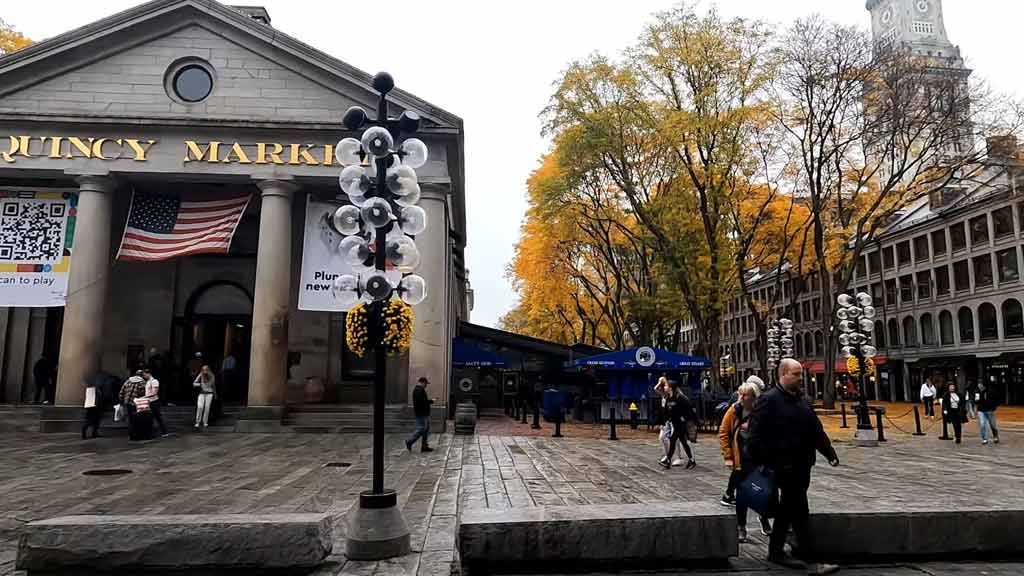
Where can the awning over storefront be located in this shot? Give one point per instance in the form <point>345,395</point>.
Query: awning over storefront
<point>818,367</point>
<point>468,355</point>
<point>643,359</point>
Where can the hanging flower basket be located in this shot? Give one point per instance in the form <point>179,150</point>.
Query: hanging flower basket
<point>397,328</point>
<point>853,367</point>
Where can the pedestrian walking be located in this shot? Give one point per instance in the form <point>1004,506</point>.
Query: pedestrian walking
<point>421,409</point>
<point>928,398</point>
<point>132,389</point>
<point>206,383</point>
<point>987,404</point>
<point>954,410</point>
<point>153,396</point>
<point>93,405</point>
<point>734,437</point>
<point>42,371</point>
<point>680,411</point>
<point>785,433</point>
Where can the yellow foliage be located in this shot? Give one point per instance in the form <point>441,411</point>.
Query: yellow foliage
<point>397,319</point>
<point>11,39</point>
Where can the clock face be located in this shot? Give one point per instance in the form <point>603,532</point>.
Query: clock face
<point>923,6</point>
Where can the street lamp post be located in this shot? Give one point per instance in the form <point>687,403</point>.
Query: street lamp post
<point>379,226</point>
<point>856,323</point>
<point>780,344</point>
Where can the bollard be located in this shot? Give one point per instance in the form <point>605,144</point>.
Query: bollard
<point>536,416</point>
<point>842,407</point>
<point>878,424</point>
<point>917,422</point>
<point>611,425</point>
<point>558,425</point>
<point>945,429</point>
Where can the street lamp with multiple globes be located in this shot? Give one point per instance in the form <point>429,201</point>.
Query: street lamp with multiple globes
<point>856,321</point>
<point>379,227</point>
<point>780,343</point>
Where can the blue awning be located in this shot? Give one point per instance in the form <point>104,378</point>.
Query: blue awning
<point>469,355</point>
<point>644,358</point>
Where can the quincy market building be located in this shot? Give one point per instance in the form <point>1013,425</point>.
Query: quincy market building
<point>181,97</point>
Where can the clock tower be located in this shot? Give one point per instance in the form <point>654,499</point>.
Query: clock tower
<point>914,24</point>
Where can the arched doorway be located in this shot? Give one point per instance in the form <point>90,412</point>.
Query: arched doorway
<point>218,324</point>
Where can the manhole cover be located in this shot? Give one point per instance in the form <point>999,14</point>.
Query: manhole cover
<point>106,472</point>
<point>337,465</point>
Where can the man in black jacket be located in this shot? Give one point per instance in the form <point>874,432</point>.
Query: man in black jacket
<point>784,435</point>
<point>421,409</point>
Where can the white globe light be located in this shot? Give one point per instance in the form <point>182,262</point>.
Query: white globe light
<point>775,323</point>
<point>845,300</point>
<point>376,212</point>
<point>844,339</point>
<point>866,325</point>
<point>786,342</point>
<point>377,286</point>
<point>401,180</point>
<point>410,199</point>
<point>869,351</point>
<point>413,152</point>
<point>868,312</point>
<point>346,220</point>
<point>857,338</point>
<point>345,289</point>
<point>377,141</point>
<point>412,220</point>
<point>786,323</point>
<point>354,250</point>
<point>412,289</point>
<point>354,181</point>
<point>864,299</point>
<point>842,314</point>
<point>846,351</point>
<point>402,252</point>
<point>773,333</point>
<point>847,326</point>
<point>347,152</point>
<point>854,312</point>
<point>357,200</point>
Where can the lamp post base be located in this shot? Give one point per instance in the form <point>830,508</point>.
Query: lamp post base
<point>865,437</point>
<point>376,528</point>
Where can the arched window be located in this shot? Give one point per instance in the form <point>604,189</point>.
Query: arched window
<point>946,328</point>
<point>746,352</point>
<point>987,325</point>
<point>808,345</point>
<point>879,334</point>
<point>798,342</point>
<point>909,332</point>
<point>819,343</point>
<point>927,330</point>
<point>894,333</point>
<point>1013,319</point>
<point>965,318</point>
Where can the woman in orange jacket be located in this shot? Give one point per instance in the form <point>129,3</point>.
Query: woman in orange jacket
<point>732,435</point>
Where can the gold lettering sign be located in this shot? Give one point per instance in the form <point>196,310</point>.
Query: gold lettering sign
<point>14,147</point>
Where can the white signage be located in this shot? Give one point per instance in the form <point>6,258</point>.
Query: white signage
<point>36,233</point>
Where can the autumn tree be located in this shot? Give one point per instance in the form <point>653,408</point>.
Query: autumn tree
<point>11,39</point>
<point>872,131</point>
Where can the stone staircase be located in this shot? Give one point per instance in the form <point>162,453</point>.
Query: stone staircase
<point>179,419</point>
<point>353,419</point>
<point>19,417</point>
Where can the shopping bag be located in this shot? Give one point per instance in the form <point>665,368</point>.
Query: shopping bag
<point>666,436</point>
<point>118,412</point>
<point>758,492</point>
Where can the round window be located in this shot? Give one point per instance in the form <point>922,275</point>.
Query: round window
<point>192,83</point>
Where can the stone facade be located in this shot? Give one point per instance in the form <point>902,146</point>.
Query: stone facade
<point>109,86</point>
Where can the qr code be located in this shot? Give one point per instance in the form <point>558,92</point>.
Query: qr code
<point>32,231</point>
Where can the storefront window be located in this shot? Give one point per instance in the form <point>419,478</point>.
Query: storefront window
<point>957,236</point>
<point>979,230</point>
<point>987,322</point>
<point>946,328</point>
<point>1013,319</point>
<point>939,242</point>
<point>965,318</point>
<point>1007,262</point>
<point>1002,222</point>
<point>982,270</point>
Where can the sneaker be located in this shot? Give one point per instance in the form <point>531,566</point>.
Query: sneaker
<point>741,535</point>
<point>691,464</point>
<point>766,527</point>
<point>197,426</point>
<point>823,569</point>
<point>678,462</point>
<point>728,500</point>
<point>426,449</point>
<point>996,440</point>
<point>665,463</point>
<point>983,442</point>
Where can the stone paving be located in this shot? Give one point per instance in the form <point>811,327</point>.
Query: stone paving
<point>41,476</point>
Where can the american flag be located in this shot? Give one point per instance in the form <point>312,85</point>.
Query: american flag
<point>163,227</point>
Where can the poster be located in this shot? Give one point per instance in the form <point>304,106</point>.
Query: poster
<point>321,261</point>
<point>36,233</point>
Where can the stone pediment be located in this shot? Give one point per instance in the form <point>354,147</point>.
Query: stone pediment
<point>120,67</point>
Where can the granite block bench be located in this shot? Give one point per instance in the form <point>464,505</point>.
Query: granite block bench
<point>157,542</point>
<point>575,538</point>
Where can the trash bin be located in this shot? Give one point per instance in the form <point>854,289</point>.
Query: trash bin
<point>554,402</point>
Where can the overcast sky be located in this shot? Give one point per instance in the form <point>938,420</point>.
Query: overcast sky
<point>493,64</point>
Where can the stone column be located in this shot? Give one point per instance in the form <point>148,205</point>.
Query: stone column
<point>81,343</point>
<point>430,350</point>
<point>268,365</point>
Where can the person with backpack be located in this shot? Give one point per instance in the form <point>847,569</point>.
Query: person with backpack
<point>733,436</point>
<point>680,411</point>
<point>987,403</point>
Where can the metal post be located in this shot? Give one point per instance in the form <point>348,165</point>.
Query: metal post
<point>611,425</point>
<point>380,366</point>
<point>863,415</point>
<point>842,408</point>
<point>917,422</point>
<point>558,424</point>
<point>878,424</point>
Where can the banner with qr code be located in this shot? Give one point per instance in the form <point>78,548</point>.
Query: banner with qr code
<point>36,232</point>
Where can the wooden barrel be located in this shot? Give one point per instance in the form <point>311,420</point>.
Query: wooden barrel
<point>465,418</point>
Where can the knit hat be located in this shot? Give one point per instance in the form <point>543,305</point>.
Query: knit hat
<point>756,380</point>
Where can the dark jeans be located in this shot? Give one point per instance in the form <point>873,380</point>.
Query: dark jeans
<point>792,511</point>
<point>422,431</point>
<point>92,420</point>
<point>157,416</point>
<point>958,425</point>
<point>678,435</point>
<point>735,477</point>
<point>929,405</point>
<point>41,390</point>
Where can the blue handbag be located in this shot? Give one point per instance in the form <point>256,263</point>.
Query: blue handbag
<point>758,492</point>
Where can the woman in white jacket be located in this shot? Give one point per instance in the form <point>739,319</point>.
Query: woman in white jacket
<point>207,385</point>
